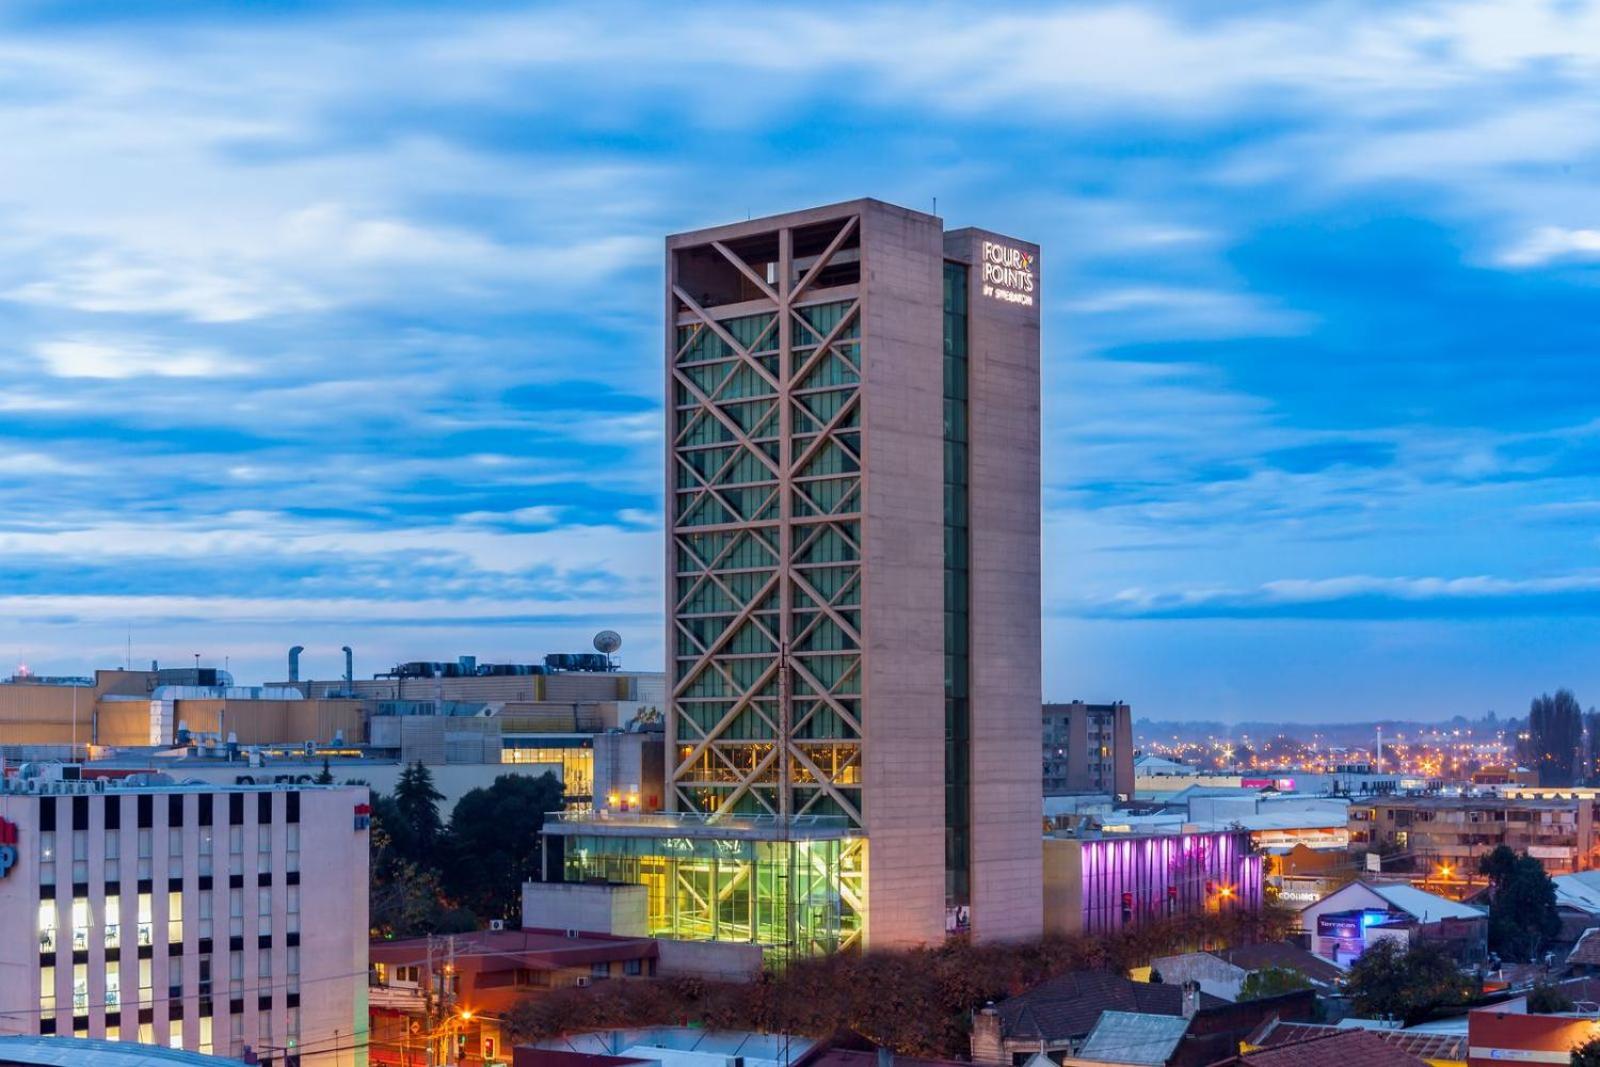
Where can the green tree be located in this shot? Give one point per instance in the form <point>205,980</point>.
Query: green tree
<point>324,776</point>
<point>496,842</point>
<point>1555,737</point>
<point>417,802</point>
<point>1547,998</point>
<point>1587,1054</point>
<point>1406,983</point>
<point>1272,982</point>
<point>1522,904</point>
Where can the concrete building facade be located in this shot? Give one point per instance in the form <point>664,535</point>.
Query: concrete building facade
<point>853,575</point>
<point>1088,748</point>
<point>187,916</point>
<point>1452,832</point>
<point>853,470</point>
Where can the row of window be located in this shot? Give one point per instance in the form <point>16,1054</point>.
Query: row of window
<point>83,919</point>
<point>144,809</point>
<point>145,840</point>
<point>169,1032</point>
<point>114,1001</point>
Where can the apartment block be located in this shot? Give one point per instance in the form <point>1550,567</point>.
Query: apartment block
<point>1453,832</point>
<point>1088,748</point>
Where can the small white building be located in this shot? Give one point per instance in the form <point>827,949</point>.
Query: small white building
<point>1345,922</point>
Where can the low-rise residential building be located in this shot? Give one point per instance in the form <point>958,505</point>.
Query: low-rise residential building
<point>442,999</point>
<point>1222,972</point>
<point>1433,1047</point>
<point>1329,1048</point>
<point>1453,831</point>
<point>1343,924</point>
<point>1083,1017</point>
<point>191,916</point>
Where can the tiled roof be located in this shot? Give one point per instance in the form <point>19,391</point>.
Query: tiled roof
<point>1069,1005</point>
<point>1338,1048</point>
<point>530,948</point>
<point>1427,1046</point>
<point>1587,951</point>
<point>1282,954</point>
<point>1124,1037</point>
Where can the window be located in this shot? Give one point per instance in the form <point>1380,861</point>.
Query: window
<point>146,924</point>
<point>600,970</point>
<point>175,917</point>
<point>113,985</point>
<point>291,966</point>
<point>263,849</point>
<point>206,836</point>
<point>633,967</point>
<point>205,914</point>
<point>144,851</point>
<point>235,912</point>
<point>80,989</point>
<point>146,1034</point>
<point>80,924</point>
<point>80,853</point>
<point>113,853</point>
<point>47,926</point>
<point>174,853</point>
<point>264,973</point>
<point>263,911</point>
<point>235,974</point>
<point>292,847</point>
<point>47,990</point>
<point>113,922</point>
<point>205,1034</point>
<point>146,986</point>
<point>292,898</point>
<point>47,858</point>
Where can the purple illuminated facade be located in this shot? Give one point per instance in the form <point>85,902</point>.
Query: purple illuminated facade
<point>1104,885</point>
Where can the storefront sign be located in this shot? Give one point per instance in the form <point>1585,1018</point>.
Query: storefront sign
<point>1007,274</point>
<point>8,846</point>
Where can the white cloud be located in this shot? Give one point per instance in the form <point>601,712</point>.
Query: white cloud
<point>82,357</point>
<point>1551,244</point>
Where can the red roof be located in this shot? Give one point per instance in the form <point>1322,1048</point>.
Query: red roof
<point>1342,1048</point>
<point>1424,1044</point>
<point>531,949</point>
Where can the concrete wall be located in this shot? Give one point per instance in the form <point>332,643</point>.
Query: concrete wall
<point>723,961</point>
<point>1003,493</point>
<point>271,722</point>
<point>593,909</point>
<point>1062,886</point>
<point>1216,976</point>
<point>903,574</point>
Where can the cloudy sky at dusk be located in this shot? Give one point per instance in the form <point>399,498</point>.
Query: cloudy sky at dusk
<point>333,325</point>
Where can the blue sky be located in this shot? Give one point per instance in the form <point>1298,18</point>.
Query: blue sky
<point>340,324</point>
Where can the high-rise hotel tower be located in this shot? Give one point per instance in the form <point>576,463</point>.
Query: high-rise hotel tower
<point>852,567</point>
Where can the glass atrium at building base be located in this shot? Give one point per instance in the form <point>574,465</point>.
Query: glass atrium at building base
<point>793,886</point>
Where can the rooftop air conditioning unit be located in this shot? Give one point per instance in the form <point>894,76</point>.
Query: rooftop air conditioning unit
<point>497,924</point>
<point>582,983</point>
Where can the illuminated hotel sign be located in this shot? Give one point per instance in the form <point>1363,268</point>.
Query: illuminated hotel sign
<point>1007,274</point>
<point>8,847</point>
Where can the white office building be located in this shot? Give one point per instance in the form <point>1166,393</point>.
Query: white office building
<point>213,918</point>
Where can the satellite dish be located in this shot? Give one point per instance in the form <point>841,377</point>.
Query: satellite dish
<point>607,641</point>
